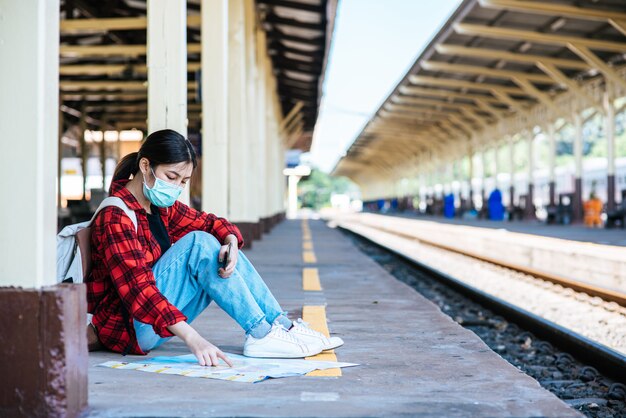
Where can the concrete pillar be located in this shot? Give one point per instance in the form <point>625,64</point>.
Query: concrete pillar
<point>254,165</point>
<point>215,66</point>
<point>43,351</point>
<point>470,179</point>
<point>292,209</point>
<point>84,149</point>
<point>261,114</point>
<point>577,204</point>
<point>103,156</point>
<point>609,121</point>
<point>270,154</point>
<point>167,68</point>
<point>511,174</point>
<point>282,185</point>
<point>551,134</point>
<point>60,156</point>
<point>238,121</point>
<point>483,180</point>
<point>496,166</point>
<point>29,35</point>
<point>530,206</point>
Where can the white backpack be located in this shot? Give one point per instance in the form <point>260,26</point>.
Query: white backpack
<point>74,245</point>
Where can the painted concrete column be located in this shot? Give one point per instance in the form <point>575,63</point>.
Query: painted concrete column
<point>511,174</point>
<point>530,206</point>
<point>261,113</point>
<point>483,181</point>
<point>272,153</point>
<point>167,68</point>
<point>215,65</point>
<point>44,348</point>
<point>270,146</point>
<point>609,120</point>
<point>282,185</point>
<point>551,134</point>
<point>496,166</point>
<point>470,180</point>
<point>577,204</point>
<point>29,34</point>
<point>254,154</point>
<point>239,167</point>
<point>84,149</point>
<point>60,155</point>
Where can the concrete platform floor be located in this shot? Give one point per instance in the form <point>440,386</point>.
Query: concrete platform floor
<point>575,232</point>
<point>415,361</point>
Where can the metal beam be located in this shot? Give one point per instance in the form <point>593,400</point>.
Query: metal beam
<point>69,26</point>
<point>530,36</point>
<point>561,78</point>
<point>446,82</point>
<point>404,100</point>
<point>112,69</point>
<point>67,85</point>
<point>551,9</point>
<point>420,91</point>
<point>534,91</point>
<point>510,56</point>
<point>113,50</point>
<point>489,72</point>
<point>608,72</point>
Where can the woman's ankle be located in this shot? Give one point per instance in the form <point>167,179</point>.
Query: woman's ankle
<point>284,321</point>
<point>260,330</point>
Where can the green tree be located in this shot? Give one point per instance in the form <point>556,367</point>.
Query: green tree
<point>315,190</point>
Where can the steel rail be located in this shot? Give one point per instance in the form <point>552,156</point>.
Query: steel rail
<point>605,359</point>
<point>603,293</point>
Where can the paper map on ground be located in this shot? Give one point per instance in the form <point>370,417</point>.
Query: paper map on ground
<point>245,369</point>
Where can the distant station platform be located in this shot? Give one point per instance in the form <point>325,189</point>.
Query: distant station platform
<point>414,360</point>
<point>574,232</point>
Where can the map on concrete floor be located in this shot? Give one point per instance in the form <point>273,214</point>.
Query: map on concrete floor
<point>245,369</point>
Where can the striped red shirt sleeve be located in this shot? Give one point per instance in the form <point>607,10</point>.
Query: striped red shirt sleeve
<point>183,219</point>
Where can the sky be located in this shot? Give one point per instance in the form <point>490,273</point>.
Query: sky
<point>373,46</point>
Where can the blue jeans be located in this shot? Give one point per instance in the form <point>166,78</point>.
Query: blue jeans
<point>186,274</point>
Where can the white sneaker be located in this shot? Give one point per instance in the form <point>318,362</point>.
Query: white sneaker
<point>304,333</point>
<point>279,344</point>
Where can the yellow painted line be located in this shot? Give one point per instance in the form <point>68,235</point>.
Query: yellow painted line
<point>316,317</point>
<point>309,257</point>
<point>311,279</point>
<point>307,245</point>
<point>306,237</point>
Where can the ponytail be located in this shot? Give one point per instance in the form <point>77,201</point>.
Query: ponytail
<point>127,166</point>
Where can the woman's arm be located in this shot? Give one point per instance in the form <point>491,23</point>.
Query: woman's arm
<point>182,219</point>
<point>206,353</point>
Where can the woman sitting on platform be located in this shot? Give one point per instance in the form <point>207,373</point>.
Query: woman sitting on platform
<point>148,283</point>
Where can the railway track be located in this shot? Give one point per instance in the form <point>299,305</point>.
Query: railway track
<point>440,260</point>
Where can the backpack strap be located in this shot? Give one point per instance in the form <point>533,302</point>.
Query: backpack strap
<point>117,202</point>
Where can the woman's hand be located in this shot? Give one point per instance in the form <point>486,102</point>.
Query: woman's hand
<point>206,353</point>
<point>233,255</point>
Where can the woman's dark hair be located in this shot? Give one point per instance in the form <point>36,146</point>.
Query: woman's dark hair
<point>160,147</point>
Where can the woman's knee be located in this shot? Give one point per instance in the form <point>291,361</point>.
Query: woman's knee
<point>205,238</point>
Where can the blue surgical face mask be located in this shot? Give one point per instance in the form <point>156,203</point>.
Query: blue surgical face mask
<point>162,194</point>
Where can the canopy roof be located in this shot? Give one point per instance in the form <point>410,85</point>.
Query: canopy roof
<point>103,60</point>
<point>496,67</point>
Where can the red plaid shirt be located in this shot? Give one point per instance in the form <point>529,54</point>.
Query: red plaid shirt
<point>122,261</point>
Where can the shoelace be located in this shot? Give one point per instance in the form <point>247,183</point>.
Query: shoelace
<point>281,333</point>
<point>305,329</point>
